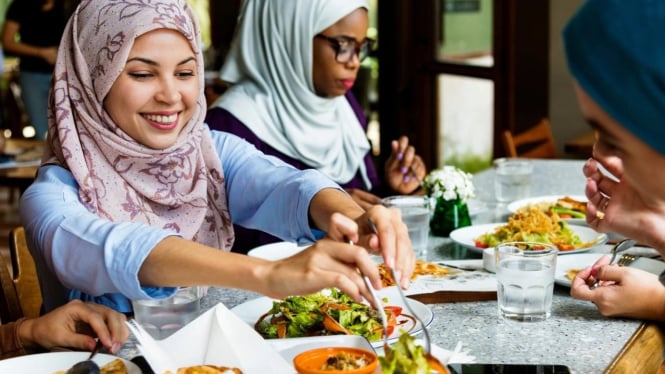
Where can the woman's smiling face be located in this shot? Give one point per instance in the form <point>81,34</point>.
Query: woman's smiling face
<point>156,94</point>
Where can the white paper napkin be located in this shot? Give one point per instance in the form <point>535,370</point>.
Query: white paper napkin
<point>219,337</point>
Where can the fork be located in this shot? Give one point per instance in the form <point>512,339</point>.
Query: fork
<point>378,305</point>
<point>434,362</point>
<point>626,259</point>
<point>159,361</point>
<point>379,308</point>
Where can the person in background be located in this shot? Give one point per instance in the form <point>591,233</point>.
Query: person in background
<point>616,54</point>
<point>136,196</point>
<point>73,325</point>
<point>291,67</point>
<point>32,32</point>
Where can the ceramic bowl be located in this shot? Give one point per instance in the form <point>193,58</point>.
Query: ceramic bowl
<point>311,361</point>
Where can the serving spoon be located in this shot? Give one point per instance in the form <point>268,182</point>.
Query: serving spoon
<point>434,362</point>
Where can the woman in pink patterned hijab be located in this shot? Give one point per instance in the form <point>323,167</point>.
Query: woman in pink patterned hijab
<point>119,178</point>
<point>136,196</point>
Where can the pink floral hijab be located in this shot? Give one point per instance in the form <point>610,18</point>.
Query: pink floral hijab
<point>181,188</point>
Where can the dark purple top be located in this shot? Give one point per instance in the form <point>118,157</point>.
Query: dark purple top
<point>221,119</point>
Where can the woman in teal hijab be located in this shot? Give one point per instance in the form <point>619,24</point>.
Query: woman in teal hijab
<point>616,53</point>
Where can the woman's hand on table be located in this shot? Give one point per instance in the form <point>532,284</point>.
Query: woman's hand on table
<point>621,291</point>
<point>74,325</point>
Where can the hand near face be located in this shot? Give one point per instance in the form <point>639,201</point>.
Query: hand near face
<point>74,325</point>
<point>622,291</point>
<point>622,208</point>
<point>401,165</point>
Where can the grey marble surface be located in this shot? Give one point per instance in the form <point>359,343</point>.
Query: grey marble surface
<point>576,335</point>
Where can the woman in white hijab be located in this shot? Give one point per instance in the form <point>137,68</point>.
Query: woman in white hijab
<point>136,196</point>
<point>291,67</point>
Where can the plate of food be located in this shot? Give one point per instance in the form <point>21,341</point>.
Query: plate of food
<point>276,251</point>
<point>471,237</point>
<point>319,314</point>
<point>60,362</point>
<point>568,266</point>
<point>571,208</point>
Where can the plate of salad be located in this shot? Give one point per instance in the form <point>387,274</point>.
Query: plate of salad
<point>470,236</point>
<point>571,208</point>
<point>331,312</point>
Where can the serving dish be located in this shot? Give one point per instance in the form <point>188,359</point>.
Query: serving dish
<point>250,311</point>
<point>290,348</point>
<point>311,361</point>
<point>517,204</point>
<point>573,262</point>
<point>52,362</point>
<point>465,236</point>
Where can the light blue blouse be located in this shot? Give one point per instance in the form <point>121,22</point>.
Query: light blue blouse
<point>78,254</point>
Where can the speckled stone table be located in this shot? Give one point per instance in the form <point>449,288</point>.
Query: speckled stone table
<point>576,335</point>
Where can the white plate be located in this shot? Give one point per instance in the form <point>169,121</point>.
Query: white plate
<point>51,362</point>
<point>276,251</point>
<point>465,236</point>
<point>577,261</point>
<point>251,311</point>
<point>517,204</point>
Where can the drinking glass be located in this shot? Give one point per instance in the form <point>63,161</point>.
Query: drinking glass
<point>161,318</point>
<point>416,212</point>
<point>525,279</point>
<point>512,180</point>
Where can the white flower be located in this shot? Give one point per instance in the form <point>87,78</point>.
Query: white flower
<point>450,183</point>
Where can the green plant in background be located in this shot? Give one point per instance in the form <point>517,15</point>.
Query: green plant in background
<point>470,162</point>
<point>201,10</point>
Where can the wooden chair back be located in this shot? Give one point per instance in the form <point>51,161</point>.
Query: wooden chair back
<point>10,308</point>
<point>26,300</point>
<point>536,142</point>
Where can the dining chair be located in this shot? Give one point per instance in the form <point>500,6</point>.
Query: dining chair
<point>26,298</point>
<point>536,142</point>
<point>10,308</point>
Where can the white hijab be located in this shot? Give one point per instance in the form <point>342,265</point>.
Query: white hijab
<point>270,67</point>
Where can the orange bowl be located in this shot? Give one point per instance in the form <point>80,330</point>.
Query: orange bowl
<point>311,362</point>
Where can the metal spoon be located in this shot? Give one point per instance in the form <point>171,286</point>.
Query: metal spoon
<point>88,366</point>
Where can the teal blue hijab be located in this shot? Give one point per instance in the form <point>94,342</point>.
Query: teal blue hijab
<point>616,52</point>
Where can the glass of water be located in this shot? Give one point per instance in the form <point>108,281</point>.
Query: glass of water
<point>525,280</point>
<point>415,212</point>
<point>162,317</point>
<point>512,180</point>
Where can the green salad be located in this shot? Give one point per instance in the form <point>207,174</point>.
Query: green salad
<point>405,357</point>
<point>326,312</point>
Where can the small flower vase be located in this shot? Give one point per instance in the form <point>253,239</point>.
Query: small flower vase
<point>449,215</point>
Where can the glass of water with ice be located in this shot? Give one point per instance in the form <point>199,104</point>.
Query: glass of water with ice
<point>525,280</point>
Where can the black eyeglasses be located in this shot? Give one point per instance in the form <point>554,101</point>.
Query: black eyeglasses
<point>345,47</point>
